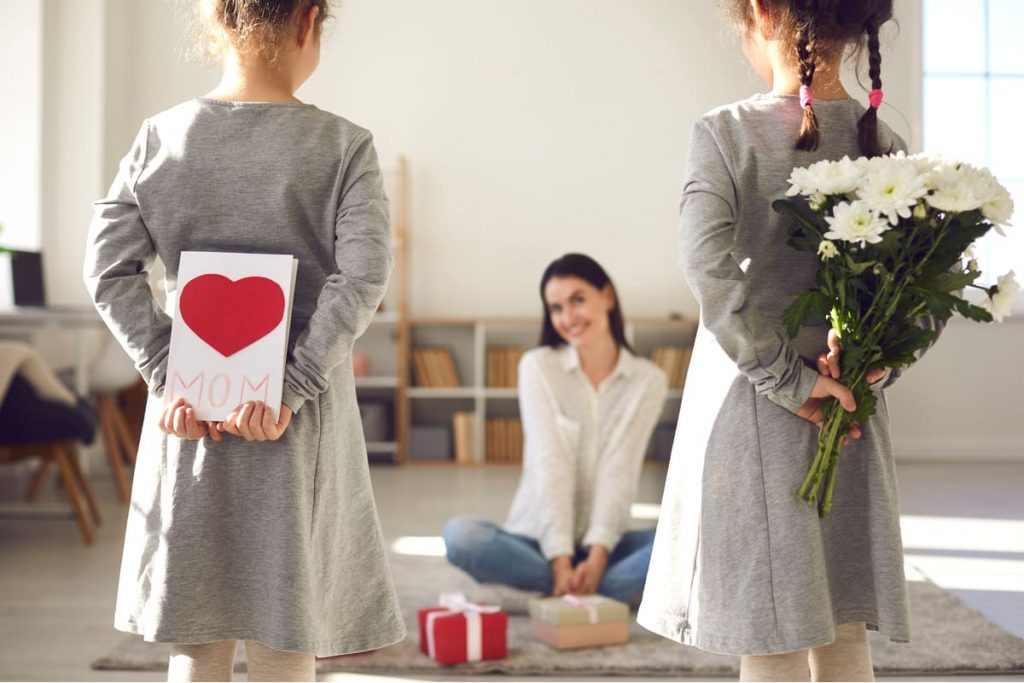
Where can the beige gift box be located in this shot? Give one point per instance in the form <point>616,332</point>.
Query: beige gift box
<point>575,621</point>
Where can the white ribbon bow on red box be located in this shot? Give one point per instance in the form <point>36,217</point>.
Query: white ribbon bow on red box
<point>456,603</point>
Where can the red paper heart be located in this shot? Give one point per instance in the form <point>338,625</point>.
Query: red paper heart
<point>231,315</point>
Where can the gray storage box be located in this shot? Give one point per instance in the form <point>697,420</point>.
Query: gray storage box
<point>375,420</point>
<point>661,442</point>
<point>430,442</point>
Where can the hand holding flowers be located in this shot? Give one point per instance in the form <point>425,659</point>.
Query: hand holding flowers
<point>891,234</point>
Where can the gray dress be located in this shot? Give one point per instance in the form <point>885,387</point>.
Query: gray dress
<point>740,565</point>
<point>276,542</point>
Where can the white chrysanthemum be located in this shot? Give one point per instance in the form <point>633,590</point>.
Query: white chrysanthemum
<point>799,183</point>
<point>892,186</point>
<point>957,187</point>
<point>855,222</point>
<point>997,204</point>
<point>835,177</point>
<point>924,164</point>
<point>1000,304</point>
<point>825,177</point>
<point>827,250</point>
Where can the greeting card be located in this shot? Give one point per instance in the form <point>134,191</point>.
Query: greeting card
<point>229,336</point>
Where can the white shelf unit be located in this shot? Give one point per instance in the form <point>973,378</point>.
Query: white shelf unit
<point>385,341</point>
<point>468,340</point>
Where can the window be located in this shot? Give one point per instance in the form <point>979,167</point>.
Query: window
<point>21,25</point>
<point>974,103</point>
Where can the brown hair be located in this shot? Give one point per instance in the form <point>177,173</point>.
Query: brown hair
<point>257,27</point>
<point>813,29</point>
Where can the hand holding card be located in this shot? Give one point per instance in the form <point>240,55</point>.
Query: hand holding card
<point>229,336</point>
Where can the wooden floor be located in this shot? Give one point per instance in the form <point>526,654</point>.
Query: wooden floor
<point>963,528</point>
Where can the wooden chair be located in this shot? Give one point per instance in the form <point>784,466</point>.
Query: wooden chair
<point>76,486</point>
<point>41,420</point>
<point>112,373</point>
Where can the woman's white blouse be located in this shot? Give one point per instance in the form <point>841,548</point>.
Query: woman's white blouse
<point>583,448</point>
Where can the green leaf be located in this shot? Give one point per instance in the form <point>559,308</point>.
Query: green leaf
<point>856,268</point>
<point>963,231</point>
<point>811,224</point>
<point>948,281</point>
<point>813,304</point>
<point>802,242</point>
<point>972,312</point>
<point>903,339</point>
<point>940,304</point>
<point>866,405</point>
<point>890,243</point>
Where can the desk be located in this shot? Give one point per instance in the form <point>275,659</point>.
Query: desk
<point>78,320</point>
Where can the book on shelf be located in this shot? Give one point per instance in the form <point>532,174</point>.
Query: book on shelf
<point>434,367</point>
<point>462,427</point>
<point>674,361</point>
<point>503,366</point>
<point>504,440</point>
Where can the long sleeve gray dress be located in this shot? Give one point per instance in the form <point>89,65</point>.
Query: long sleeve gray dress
<point>276,542</point>
<point>740,564</point>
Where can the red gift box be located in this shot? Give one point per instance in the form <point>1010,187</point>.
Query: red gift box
<point>460,631</point>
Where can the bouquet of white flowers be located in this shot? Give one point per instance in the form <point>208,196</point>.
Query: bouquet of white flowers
<point>895,237</point>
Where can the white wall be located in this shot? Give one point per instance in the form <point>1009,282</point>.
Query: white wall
<point>538,126</point>
<point>533,128</point>
<point>963,401</point>
<point>21,54</point>
<point>72,149</point>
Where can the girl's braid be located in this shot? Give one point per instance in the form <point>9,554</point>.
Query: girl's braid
<point>806,49</point>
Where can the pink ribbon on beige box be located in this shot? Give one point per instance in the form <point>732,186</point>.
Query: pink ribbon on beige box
<point>456,603</point>
<point>589,603</point>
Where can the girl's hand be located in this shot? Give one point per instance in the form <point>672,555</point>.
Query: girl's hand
<point>588,573</point>
<point>254,421</point>
<point>179,419</point>
<point>826,387</point>
<point>828,364</point>
<point>561,568</point>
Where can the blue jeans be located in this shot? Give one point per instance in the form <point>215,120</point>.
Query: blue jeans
<point>490,554</point>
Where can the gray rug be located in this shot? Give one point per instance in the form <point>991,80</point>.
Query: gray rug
<point>949,638</point>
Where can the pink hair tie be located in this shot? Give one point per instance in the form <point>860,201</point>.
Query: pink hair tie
<point>806,100</point>
<point>875,97</point>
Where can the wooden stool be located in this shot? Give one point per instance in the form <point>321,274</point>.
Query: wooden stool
<point>65,455</point>
<point>118,441</point>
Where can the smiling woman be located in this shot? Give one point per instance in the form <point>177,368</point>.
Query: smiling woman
<point>589,407</point>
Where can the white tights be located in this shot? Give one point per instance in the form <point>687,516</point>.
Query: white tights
<point>215,662</point>
<point>847,658</point>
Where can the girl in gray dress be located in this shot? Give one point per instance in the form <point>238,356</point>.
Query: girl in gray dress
<point>740,565</point>
<point>261,528</point>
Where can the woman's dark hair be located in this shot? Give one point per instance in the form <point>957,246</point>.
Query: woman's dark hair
<point>812,28</point>
<point>257,26</point>
<point>590,271</point>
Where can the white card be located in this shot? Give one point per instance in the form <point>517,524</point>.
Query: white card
<point>229,338</point>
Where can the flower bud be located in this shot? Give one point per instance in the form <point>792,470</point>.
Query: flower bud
<point>879,269</point>
<point>827,250</point>
<point>973,265</point>
<point>920,211</point>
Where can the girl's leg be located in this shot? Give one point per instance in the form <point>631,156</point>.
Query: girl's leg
<point>203,662</point>
<point>791,666</point>
<point>490,554</point>
<point>847,658</point>
<point>627,566</point>
<point>268,664</point>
